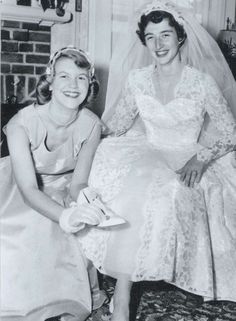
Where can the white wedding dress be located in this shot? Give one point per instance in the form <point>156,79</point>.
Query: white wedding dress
<point>185,236</point>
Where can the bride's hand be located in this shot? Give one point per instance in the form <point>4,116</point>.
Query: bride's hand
<point>192,171</point>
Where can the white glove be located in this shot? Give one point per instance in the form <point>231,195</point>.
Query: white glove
<point>74,218</point>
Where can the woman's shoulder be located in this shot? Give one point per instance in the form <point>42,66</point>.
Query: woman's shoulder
<point>200,82</point>
<point>199,75</point>
<point>89,115</point>
<point>138,75</point>
<point>24,117</point>
<point>88,118</point>
<point>86,122</point>
<point>28,119</point>
<point>141,71</point>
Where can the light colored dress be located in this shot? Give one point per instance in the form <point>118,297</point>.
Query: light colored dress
<point>185,236</point>
<point>43,273</point>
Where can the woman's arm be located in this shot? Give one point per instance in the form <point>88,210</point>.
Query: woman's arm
<point>126,110</point>
<point>223,120</point>
<point>84,162</point>
<point>25,176</point>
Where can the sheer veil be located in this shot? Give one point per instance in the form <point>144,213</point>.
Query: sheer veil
<point>200,50</point>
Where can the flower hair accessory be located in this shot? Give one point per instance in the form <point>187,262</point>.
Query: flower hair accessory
<point>163,5</point>
<point>69,49</point>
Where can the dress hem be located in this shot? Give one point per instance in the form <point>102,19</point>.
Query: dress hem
<point>206,297</point>
<point>48,311</point>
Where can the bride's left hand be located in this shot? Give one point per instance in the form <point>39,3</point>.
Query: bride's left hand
<point>192,171</point>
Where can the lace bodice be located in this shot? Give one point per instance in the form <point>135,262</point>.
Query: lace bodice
<point>179,122</point>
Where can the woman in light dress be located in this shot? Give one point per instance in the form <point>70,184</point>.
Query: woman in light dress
<point>51,144</point>
<point>168,168</point>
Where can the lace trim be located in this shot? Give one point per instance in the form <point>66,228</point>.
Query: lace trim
<point>194,85</point>
<point>223,120</point>
<point>153,197</point>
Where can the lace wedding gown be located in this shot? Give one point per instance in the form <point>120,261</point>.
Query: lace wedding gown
<point>185,236</point>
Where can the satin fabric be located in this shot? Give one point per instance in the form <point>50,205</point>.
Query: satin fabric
<point>43,273</point>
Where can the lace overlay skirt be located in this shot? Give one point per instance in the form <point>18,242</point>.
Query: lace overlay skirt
<point>185,236</point>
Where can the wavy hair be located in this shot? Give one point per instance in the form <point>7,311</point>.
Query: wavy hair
<point>157,16</point>
<point>43,92</point>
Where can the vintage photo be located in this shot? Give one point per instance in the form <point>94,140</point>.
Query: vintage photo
<point>118,160</point>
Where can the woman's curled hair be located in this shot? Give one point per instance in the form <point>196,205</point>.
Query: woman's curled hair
<point>43,92</point>
<point>157,17</point>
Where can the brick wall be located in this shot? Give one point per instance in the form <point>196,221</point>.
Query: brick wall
<point>25,52</point>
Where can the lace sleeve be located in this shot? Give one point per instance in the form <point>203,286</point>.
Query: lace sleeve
<point>223,120</point>
<point>126,110</point>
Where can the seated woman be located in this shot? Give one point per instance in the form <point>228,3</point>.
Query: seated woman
<point>52,145</point>
<point>177,195</point>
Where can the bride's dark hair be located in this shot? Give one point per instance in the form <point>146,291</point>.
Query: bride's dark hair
<point>157,17</point>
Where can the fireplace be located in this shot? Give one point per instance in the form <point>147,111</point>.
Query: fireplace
<point>26,47</point>
<point>25,52</point>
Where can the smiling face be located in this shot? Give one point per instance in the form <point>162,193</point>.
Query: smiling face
<point>162,41</point>
<point>70,84</point>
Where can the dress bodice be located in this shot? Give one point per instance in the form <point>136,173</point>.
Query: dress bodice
<point>179,122</point>
<point>63,158</point>
<point>174,124</point>
<point>58,161</point>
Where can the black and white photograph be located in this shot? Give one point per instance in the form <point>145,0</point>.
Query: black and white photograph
<point>118,160</point>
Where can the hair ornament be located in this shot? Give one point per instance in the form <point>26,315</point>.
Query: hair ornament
<point>163,5</point>
<point>68,49</point>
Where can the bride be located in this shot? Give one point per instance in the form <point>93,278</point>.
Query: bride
<point>165,168</point>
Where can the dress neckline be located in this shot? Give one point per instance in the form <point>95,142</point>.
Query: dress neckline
<point>43,141</point>
<point>182,77</point>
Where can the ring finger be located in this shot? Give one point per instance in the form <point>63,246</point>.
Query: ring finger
<point>193,178</point>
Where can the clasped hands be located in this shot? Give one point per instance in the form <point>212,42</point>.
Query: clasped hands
<point>191,173</point>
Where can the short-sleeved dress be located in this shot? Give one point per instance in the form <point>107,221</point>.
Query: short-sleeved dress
<point>43,273</point>
<point>185,236</point>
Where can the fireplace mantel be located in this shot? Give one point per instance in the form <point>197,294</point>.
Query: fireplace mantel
<point>32,14</point>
